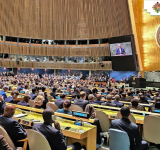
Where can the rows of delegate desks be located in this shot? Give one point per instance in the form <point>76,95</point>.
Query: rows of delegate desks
<point>111,111</point>
<point>86,134</point>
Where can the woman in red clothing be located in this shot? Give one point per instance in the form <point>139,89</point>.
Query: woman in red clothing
<point>113,80</point>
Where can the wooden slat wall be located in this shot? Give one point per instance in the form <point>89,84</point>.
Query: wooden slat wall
<point>13,64</point>
<point>64,19</point>
<point>50,51</point>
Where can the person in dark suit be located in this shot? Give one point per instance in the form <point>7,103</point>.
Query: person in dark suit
<point>124,124</point>
<point>116,101</point>
<point>98,100</point>
<point>25,101</point>
<point>81,102</point>
<point>120,51</point>
<point>74,96</point>
<point>59,102</point>
<point>3,144</point>
<point>156,107</point>
<point>54,136</point>
<point>13,96</point>
<point>45,93</point>
<point>109,101</point>
<point>3,92</point>
<point>124,98</point>
<point>94,92</point>
<point>53,93</point>
<point>91,98</point>
<point>2,105</point>
<point>12,127</point>
<point>33,94</point>
<point>143,100</point>
<point>86,90</point>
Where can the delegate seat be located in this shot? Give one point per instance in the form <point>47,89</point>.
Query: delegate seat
<point>151,129</point>
<point>118,140</point>
<point>31,103</point>
<point>10,142</point>
<point>39,142</point>
<point>52,106</point>
<point>76,108</point>
<point>50,98</point>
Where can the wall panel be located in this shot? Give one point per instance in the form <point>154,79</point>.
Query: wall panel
<point>83,66</point>
<point>65,19</point>
<point>47,51</point>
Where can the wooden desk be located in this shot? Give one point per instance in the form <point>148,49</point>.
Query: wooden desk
<point>87,138</point>
<point>146,106</point>
<point>97,83</point>
<point>112,113</point>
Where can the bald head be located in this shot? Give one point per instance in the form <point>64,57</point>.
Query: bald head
<point>9,110</point>
<point>117,97</point>
<point>99,96</point>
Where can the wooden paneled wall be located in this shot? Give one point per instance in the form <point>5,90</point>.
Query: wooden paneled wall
<point>83,66</point>
<point>64,19</point>
<point>50,51</point>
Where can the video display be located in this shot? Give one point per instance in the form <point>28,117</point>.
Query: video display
<point>121,49</point>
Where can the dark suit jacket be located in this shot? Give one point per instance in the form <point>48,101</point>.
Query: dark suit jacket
<point>125,99</point>
<point>81,102</point>
<point>118,103</point>
<point>131,129</point>
<point>44,104</point>
<point>33,96</point>
<point>54,137</point>
<point>87,90</point>
<point>23,103</point>
<point>53,94</point>
<point>2,106</point>
<point>109,104</point>
<point>9,100</point>
<point>122,51</point>
<point>14,129</point>
<point>59,103</point>
<point>98,101</point>
<point>3,144</point>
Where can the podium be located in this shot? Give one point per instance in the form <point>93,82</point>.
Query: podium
<point>137,82</point>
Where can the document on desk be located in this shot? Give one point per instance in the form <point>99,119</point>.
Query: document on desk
<point>19,115</point>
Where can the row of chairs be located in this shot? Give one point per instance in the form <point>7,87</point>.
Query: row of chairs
<point>39,142</point>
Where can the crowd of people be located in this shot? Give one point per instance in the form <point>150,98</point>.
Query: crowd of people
<point>84,94</point>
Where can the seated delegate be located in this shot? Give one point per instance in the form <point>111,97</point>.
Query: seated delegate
<point>25,101</point>
<point>131,129</point>
<point>38,102</point>
<point>82,102</point>
<point>12,126</point>
<point>13,96</point>
<point>54,136</point>
<point>65,109</point>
